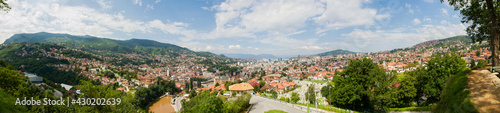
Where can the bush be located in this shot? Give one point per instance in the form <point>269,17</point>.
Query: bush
<point>481,63</point>
<point>282,98</point>
<point>455,98</point>
<point>295,97</point>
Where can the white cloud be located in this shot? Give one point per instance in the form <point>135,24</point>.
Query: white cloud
<point>379,40</point>
<point>234,47</point>
<point>426,19</point>
<point>150,7</point>
<point>273,17</point>
<point>312,48</point>
<point>244,18</point>
<point>409,8</point>
<point>104,4</point>
<point>416,21</point>
<point>445,12</point>
<point>345,13</point>
<point>138,2</point>
<point>429,1</point>
<point>49,16</point>
<point>157,1</point>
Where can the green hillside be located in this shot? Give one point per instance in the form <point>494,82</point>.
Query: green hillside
<point>95,43</point>
<point>336,52</point>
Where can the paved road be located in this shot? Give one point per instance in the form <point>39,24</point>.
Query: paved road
<point>177,104</point>
<point>260,105</point>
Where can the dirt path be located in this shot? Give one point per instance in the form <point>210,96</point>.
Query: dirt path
<point>162,106</point>
<point>484,95</point>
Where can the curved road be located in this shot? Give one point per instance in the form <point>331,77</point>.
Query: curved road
<point>261,105</point>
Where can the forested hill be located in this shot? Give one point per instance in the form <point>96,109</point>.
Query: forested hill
<point>336,52</point>
<point>95,43</point>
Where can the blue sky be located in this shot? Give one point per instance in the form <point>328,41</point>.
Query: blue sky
<point>278,27</point>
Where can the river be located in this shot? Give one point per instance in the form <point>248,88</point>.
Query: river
<point>162,106</point>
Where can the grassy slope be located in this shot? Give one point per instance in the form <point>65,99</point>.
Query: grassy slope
<point>455,96</point>
<point>275,111</point>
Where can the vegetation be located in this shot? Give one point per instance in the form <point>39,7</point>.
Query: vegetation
<point>78,54</point>
<point>431,81</point>
<point>147,96</point>
<point>318,81</point>
<point>295,97</point>
<point>483,21</point>
<point>4,6</point>
<point>210,103</point>
<point>275,111</point>
<point>362,86</point>
<point>311,94</point>
<point>423,108</point>
<point>336,52</point>
<point>455,97</point>
<point>480,63</point>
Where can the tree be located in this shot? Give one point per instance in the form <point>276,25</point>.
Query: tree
<point>438,70</point>
<point>217,84</point>
<point>311,94</point>
<point>405,94</point>
<point>274,94</point>
<point>4,6</point>
<point>203,103</point>
<point>191,84</point>
<point>192,94</point>
<point>325,92</point>
<point>283,74</point>
<point>198,83</point>
<point>472,63</point>
<point>363,86</point>
<point>186,87</point>
<point>295,97</point>
<point>482,17</point>
<point>478,53</point>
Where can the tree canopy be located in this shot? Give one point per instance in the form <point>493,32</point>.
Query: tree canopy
<point>362,86</point>
<point>481,15</point>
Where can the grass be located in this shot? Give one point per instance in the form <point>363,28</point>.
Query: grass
<point>326,108</point>
<point>318,81</point>
<point>275,111</point>
<point>400,75</point>
<point>455,96</point>
<point>424,108</point>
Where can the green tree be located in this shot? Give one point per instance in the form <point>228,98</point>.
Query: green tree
<point>478,53</point>
<point>405,94</point>
<point>203,103</point>
<point>192,94</point>
<point>295,97</point>
<point>198,83</point>
<point>472,63</point>
<point>438,70</point>
<point>4,6</point>
<point>481,15</point>
<point>311,94</point>
<point>325,92</point>
<point>363,85</point>
<point>186,87</point>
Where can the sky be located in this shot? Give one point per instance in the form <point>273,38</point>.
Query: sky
<point>277,27</point>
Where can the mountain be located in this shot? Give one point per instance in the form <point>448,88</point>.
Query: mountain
<point>95,43</point>
<point>440,42</point>
<point>336,52</point>
<point>250,56</point>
